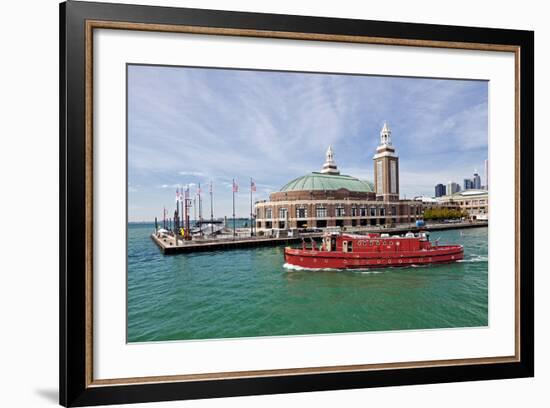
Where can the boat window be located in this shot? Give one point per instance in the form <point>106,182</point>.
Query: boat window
<point>384,243</point>
<point>391,242</point>
<point>376,242</point>
<point>350,246</point>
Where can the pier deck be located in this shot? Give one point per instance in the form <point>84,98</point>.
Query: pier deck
<point>168,244</point>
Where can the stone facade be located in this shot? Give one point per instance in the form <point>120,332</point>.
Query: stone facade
<point>331,212</point>
<point>474,202</point>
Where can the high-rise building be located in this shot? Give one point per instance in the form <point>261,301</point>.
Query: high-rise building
<point>440,190</point>
<point>477,180</point>
<point>468,184</point>
<point>486,174</point>
<point>386,168</point>
<point>452,188</point>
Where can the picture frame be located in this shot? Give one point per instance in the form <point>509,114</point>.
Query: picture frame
<point>79,20</point>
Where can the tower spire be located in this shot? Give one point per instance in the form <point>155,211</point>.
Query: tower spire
<point>330,165</point>
<point>386,167</point>
<point>385,135</point>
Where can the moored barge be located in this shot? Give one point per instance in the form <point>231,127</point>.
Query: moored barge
<point>347,251</point>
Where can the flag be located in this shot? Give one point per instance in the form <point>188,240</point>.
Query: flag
<point>252,186</point>
<point>199,190</point>
<point>235,187</point>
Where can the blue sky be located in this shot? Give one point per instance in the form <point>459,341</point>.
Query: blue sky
<point>193,125</point>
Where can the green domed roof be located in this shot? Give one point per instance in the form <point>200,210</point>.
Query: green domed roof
<point>325,182</point>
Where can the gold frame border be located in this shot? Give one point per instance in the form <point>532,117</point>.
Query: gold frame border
<point>99,24</point>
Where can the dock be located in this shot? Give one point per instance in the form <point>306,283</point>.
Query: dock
<point>167,244</point>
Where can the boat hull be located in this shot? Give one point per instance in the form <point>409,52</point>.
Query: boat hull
<point>311,259</point>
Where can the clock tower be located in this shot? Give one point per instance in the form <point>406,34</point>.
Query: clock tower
<point>386,168</point>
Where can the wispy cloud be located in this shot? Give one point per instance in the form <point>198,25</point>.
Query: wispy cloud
<point>190,126</point>
<point>192,173</point>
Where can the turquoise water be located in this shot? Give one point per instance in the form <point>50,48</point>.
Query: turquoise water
<point>247,293</point>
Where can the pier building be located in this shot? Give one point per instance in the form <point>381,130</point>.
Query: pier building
<point>474,202</point>
<point>328,198</point>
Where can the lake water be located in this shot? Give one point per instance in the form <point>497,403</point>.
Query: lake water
<point>248,293</point>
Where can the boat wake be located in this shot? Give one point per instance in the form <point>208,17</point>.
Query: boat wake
<point>474,259</point>
<point>291,267</point>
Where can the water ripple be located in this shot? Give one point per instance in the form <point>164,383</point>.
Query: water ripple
<point>250,292</point>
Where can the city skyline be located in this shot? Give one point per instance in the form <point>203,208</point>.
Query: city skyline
<point>194,125</point>
<point>474,183</point>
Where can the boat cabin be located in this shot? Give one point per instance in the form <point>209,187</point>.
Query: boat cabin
<point>375,243</point>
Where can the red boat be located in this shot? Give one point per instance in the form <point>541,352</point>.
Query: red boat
<point>346,251</point>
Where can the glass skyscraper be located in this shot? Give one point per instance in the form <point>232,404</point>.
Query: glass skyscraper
<point>440,190</point>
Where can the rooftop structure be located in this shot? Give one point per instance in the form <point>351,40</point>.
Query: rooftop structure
<point>328,182</point>
<point>330,165</point>
<point>425,199</point>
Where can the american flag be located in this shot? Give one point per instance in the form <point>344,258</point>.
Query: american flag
<point>235,186</point>
<point>252,186</point>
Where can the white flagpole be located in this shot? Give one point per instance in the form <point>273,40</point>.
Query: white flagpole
<point>233,189</point>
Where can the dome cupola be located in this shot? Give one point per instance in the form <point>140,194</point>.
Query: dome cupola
<point>330,165</point>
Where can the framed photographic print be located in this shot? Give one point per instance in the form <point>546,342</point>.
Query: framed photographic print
<point>256,203</point>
